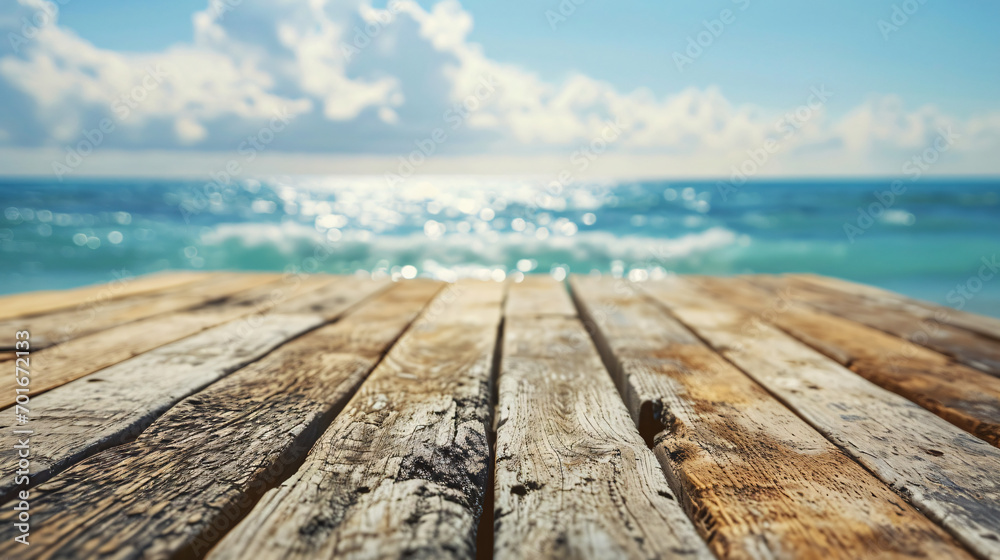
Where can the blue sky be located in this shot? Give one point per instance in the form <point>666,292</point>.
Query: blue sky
<point>891,95</point>
<point>948,53</point>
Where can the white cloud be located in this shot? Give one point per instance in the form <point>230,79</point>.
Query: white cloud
<point>189,131</point>
<point>356,77</point>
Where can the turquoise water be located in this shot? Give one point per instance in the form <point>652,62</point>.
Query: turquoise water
<point>925,240</point>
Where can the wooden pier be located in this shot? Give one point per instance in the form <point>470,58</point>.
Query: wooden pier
<point>230,416</point>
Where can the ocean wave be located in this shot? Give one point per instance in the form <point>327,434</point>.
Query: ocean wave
<point>243,245</point>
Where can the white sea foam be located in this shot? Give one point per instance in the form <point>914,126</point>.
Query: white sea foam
<point>898,217</point>
<point>456,255</point>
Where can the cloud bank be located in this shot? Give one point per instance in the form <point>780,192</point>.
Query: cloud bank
<point>353,81</point>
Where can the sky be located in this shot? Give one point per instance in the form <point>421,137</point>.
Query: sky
<point>681,88</point>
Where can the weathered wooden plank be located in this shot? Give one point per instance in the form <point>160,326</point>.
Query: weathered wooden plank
<point>34,303</point>
<point>114,405</point>
<point>402,470</point>
<point>201,465</point>
<point>63,363</point>
<point>535,296</point>
<point>969,348</point>
<point>66,324</point>
<point>989,326</point>
<point>966,397</point>
<point>574,479</point>
<point>331,300</point>
<point>757,480</point>
<point>947,473</point>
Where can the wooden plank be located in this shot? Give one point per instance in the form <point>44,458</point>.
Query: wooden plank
<point>757,480</point>
<point>63,363</point>
<point>35,303</point>
<point>113,406</point>
<point>331,300</point>
<point>574,479</point>
<point>966,397</point>
<point>967,347</point>
<point>201,465</point>
<point>66,324</point>
<point>535,296</point>
<point>947,473</point>
<point>989,326</point>
<point>402,470</point>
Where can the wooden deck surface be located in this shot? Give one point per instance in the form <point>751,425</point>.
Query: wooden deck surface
<point>230,416</point>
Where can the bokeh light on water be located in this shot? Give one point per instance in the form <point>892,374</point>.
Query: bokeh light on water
<point>72,233</point>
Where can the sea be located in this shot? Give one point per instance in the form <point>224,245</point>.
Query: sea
<point>933,239</point>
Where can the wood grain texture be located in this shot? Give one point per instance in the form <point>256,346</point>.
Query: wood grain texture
<point>113,406</point>
<point>34,303</point>
<point>200,466</point>
<point>66,324</point>
<point>535,296</point>
<point>63,363</point>
<point>947,473</point>
<point>757,480</point>
<point>402,470</point>
<point>966,397</point>
<point>969,348</point>
<point>989,326</point>
<point>574,479</point>
<point>333,299</point>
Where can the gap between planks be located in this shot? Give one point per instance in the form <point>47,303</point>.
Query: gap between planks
<point>947,473</point>
<point>968,347</point>
<point>114,405</point>
<point>964,396</point>
<point>66,324</point>
<point>402,469</point>
<point>81,356</point>
<point>574,479</point>
<point>36,303</point>
<point>987,326</point>
<point>755,479</point>
<point>223,447</point>
<point>545,311</point>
